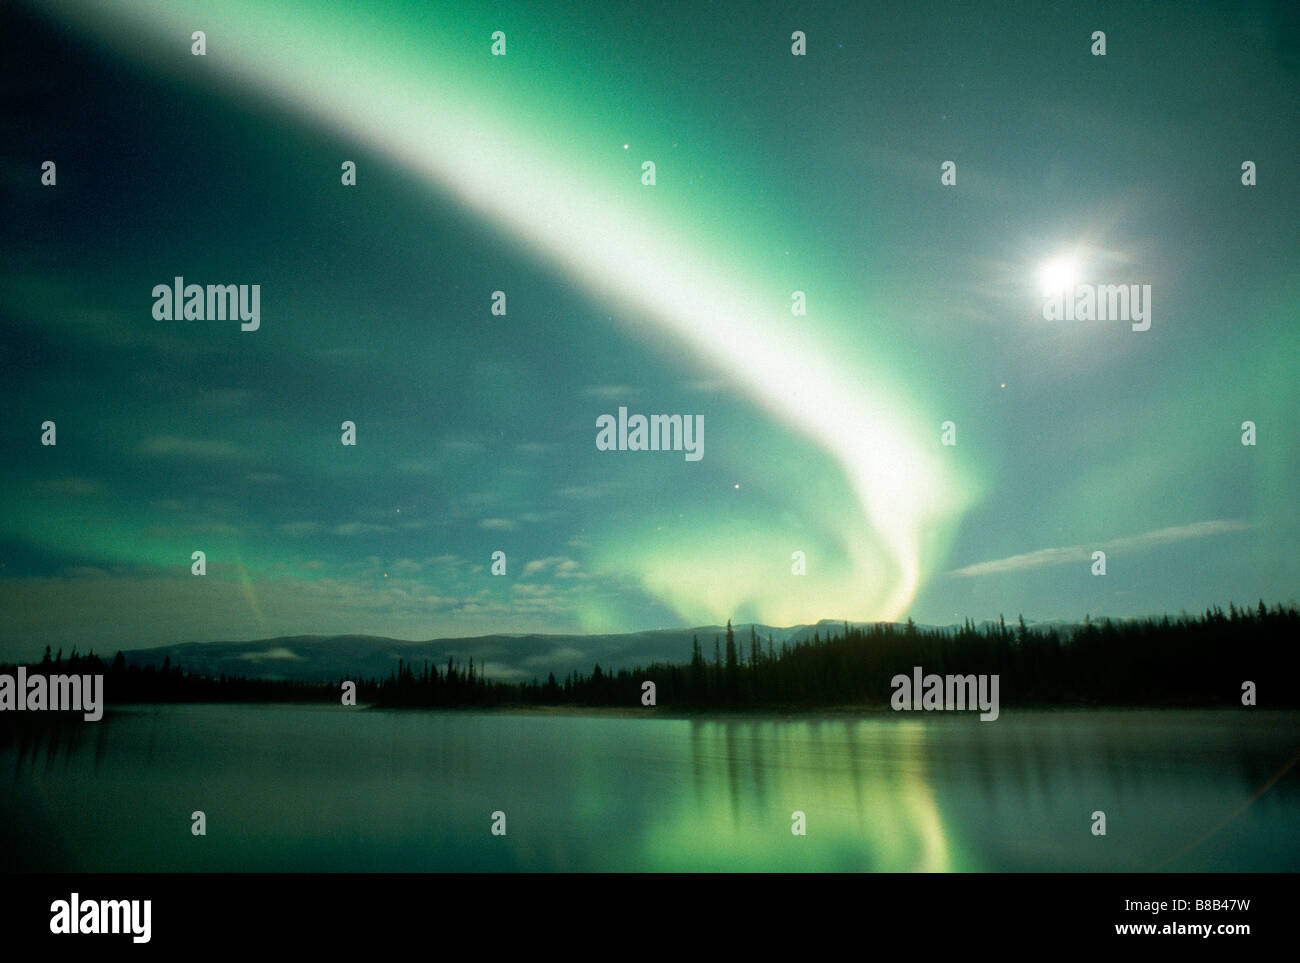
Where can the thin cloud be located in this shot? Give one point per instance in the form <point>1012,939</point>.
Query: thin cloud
<point>279,653</point>
<point>583,491</point>
<point>558,565</point>
<point>610,392</point>
<point>560,655</point>
<point>461,446</point>
<point>227,399</point>
<point>416,466</point>
<point>73,486</point>
<point>361,528</point>
<point>200,448</point>
<point>1081,553</point>
<point>299,528</point>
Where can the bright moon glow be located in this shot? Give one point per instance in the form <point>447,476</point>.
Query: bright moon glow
<point>1059,274</point>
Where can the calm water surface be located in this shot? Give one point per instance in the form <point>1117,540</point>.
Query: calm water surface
<point>298,788</point>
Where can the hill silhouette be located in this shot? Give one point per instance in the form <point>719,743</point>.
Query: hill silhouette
<point>1188,661</point>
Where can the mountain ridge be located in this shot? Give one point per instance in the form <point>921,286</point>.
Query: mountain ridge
<point>507,657</point>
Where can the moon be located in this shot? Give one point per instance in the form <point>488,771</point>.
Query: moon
<point>1059,274</point>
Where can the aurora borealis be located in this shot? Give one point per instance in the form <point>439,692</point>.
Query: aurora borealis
<point>523,173</point>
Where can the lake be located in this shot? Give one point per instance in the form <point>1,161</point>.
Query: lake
<point>317,788</point>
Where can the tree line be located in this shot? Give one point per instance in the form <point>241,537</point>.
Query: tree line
<point>1199,660</point>
<point>1188,661</point>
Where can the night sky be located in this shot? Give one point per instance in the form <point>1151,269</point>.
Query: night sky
<point>523,173</point>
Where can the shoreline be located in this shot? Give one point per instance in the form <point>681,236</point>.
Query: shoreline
<point>668,712</point>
